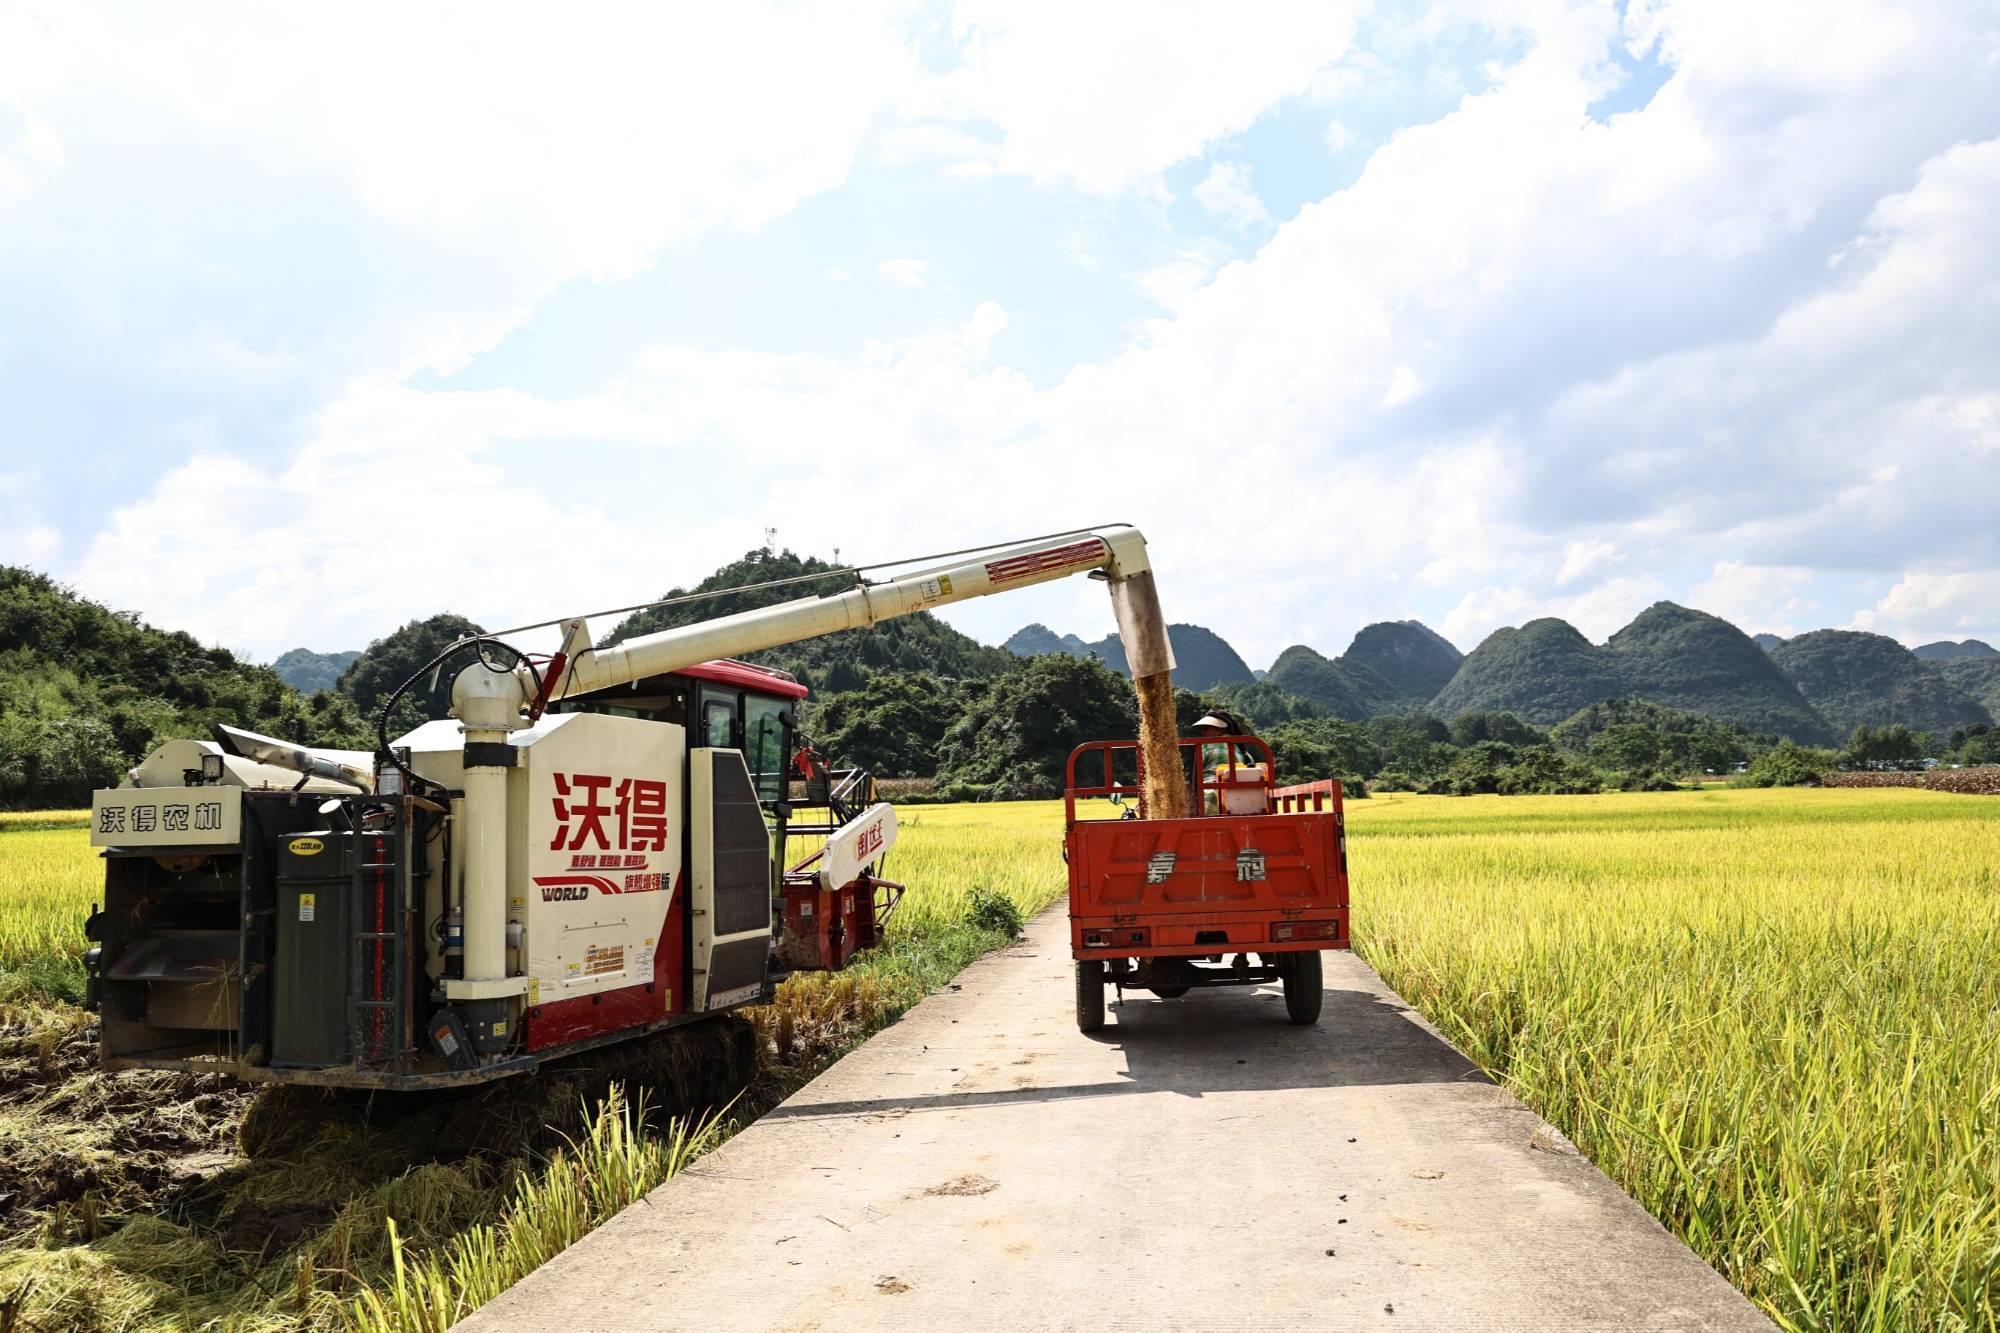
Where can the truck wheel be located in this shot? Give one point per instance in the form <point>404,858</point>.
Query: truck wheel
<point>1090,995</point>
<point>1169,992</point>
<point>1305,990</point>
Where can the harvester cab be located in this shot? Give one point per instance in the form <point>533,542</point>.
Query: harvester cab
<point>595,845</point>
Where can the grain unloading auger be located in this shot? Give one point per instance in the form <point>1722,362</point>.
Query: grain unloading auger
<point>594,850</point>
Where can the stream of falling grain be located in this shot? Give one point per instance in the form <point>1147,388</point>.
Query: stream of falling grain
<point>1164,790</point>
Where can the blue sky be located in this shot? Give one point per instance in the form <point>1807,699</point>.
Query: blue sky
<point>1465,312</point>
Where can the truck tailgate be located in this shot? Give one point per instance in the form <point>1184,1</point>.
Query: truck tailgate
<point>1131,868</point>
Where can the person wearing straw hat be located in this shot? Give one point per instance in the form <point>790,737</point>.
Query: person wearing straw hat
<point>1218,721</point>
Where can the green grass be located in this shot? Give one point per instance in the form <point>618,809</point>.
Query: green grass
<point>612,1164</point>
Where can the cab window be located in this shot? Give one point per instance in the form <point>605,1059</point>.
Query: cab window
<point>718,721</point>
<point>764,746</point>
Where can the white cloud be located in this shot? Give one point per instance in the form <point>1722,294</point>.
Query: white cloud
<point>1759,598</point>
<point>1172,282</point>
<point>953,151</point>
<point>903,272</point>
<point>526,151</point>
<point>1226,193</point>
<point>1108,95</point>
<point>1937,604</point>
<point>1584,557</point>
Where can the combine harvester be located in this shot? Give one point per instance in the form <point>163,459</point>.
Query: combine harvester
<point>593,851</point>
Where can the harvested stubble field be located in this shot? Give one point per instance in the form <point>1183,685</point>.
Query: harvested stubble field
<point>1771,1015</point>
<point>1982,781</point>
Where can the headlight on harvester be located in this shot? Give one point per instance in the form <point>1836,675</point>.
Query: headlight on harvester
<point>1286,932</point>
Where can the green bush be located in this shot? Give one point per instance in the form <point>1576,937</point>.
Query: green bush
<point>1786,765</point>
<point>987,909</point>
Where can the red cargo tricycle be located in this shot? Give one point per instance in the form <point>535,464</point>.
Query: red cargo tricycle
<point>1248,890</point>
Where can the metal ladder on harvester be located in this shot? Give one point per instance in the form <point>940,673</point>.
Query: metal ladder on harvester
<point>378,1010</point>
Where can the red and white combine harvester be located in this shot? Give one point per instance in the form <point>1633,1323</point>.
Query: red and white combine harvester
<point>594,846</point>
<point>1247,890</point>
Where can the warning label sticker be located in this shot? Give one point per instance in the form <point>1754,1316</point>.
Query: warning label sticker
<point>603,959</point>
<point>307,906</point>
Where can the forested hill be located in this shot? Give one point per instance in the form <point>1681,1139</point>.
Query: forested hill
<point>1857,679</point>
<point>1394,666</point>
<point>307,671</point>
<point>1543,672</point>
<point>1203,659</point>
<point>1688,660</point>
<point>841,661</point>
<point>1036,639</point>
<point>1978,678</point>
<point>1413,658</point>
<point>1701,663</point>
<point>86,692</point>
<point>1391,666</point>
<point>1945,650</point>
<point>1814,688</point>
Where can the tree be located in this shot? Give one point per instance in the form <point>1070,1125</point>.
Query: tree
<point>85,692</point>
<point>1685,742</point>
<point>1543,770</point>
<point>1324,748</point>
<point>1787,765</point>
<point>389,661</point>
<point>1471,728</point>
<point>1981,745</point>
<point>1628,747</point>
<point>893,724</point>
<point>832,662</point>
<point>1893,746</point>
<point>56,761</point>
<point>1710,747</point>
<point>1411,744</point>
<point>1015,732</point>
<point>1266,705</point>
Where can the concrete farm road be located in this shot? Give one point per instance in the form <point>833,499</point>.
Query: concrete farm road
<point>1199,1163</point>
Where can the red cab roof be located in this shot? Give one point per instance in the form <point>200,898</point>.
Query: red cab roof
<point>748,676</point>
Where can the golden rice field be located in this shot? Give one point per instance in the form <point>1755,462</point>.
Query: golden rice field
<point>49,878</point>
<point>1773,1016</point>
